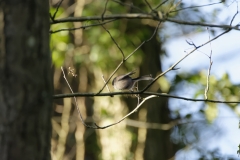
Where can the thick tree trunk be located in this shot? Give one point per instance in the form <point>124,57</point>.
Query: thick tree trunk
<point>25,82</point>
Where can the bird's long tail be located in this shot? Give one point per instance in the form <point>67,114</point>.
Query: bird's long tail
<point>143,78</point>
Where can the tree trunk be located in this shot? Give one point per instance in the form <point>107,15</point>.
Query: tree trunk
<point>25,82</point>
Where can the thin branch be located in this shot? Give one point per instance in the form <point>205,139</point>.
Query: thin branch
<point>114,41</point>
<point>106,17</point>
<point>78,110</point>
<point>202,24</point>
<point>135,109</point>
<point>139,92</point>
<point>106,84</point>
<point>129,57</point>
<point>142,16</point>
<point>209,70</point>
<point>82,27</point>
<point>138,96</point>
<point>191,44</point>
<point>159,5</point>
<point>154,33</point>
<point>105,8</point>
<point>211,62</point>
<point>149,5</point>
<point>234,16</point>
<point>208,75</point>
<point>55,13</point>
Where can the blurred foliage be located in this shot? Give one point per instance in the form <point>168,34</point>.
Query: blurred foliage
<point>60,41</point>
<point>164,84</point>
<point>219,89</point>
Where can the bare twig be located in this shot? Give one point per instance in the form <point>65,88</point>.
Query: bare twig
<point>140,92</point>
<point>105,8</point>
<point>149,5</point>
<point>160,4</point>
<point>191,44</point>
<point>211,62</point>
<point>55,13</point>
<point>135,109</point>
<point>114,41</point>
<point>137,95</point>
<point>106,84</point>
<point>209,70</point>
<point>208,75</point>
<point>78,110</point>
<point>82,27</point>
<point>154,33</point>
<point>234,16</point>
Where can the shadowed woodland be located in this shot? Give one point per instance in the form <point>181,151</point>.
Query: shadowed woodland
<point>67,53</point>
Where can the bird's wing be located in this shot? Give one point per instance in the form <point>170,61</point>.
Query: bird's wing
<point>126,75</point>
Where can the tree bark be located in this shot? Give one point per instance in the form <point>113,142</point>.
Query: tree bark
<point>25,82</point>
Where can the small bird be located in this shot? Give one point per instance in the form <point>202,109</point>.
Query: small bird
<point>125,82</point>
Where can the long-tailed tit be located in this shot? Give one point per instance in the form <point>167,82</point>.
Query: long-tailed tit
<point>125,82</point>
